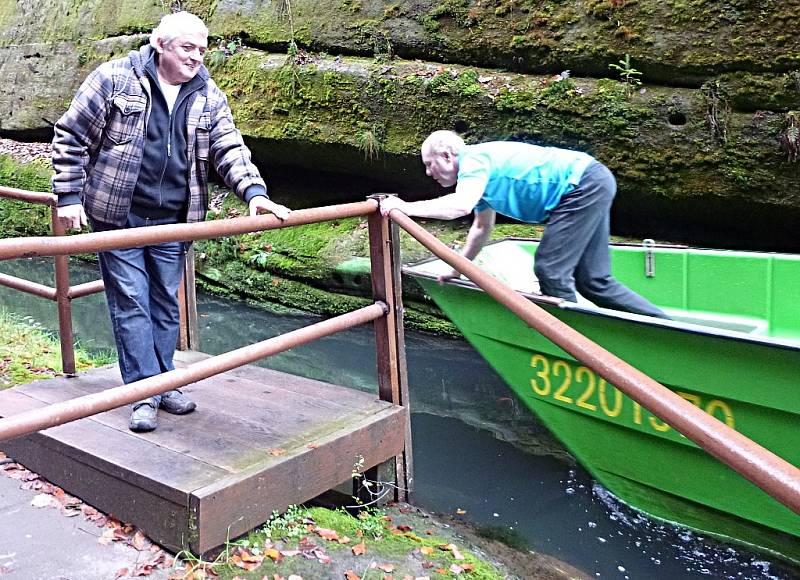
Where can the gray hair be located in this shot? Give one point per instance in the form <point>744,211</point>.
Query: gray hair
<point>443,141</point>
<point>175,25</point>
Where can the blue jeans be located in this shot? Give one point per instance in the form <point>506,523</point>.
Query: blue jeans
<point>574,250</point>
<point>142,295</point>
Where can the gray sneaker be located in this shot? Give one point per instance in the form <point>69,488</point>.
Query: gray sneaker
<point>143,416</point>
<point>176,403</point>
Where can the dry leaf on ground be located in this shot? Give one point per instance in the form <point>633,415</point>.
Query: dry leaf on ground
<point>359,549</point>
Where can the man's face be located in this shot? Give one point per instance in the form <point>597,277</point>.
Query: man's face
<point>180,60</point>
<point>442,166</point>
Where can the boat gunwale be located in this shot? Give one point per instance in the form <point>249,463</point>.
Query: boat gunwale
<point>687,327</point>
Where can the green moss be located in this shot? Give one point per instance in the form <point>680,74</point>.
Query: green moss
<point>30,353</point>
<point>384,543</point>
<point>18,218</point>
<point>752,92</point>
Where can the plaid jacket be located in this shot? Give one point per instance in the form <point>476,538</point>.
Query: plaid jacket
<point>98,142</point>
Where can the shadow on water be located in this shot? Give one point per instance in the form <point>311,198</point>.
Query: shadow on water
<point>476,447</point>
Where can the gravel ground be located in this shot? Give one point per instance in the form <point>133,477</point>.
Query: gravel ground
<point>24,152</point>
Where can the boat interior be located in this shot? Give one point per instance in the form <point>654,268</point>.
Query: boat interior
<point>753,293</point>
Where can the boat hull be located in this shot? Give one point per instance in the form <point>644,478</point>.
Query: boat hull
<point>752,386</point>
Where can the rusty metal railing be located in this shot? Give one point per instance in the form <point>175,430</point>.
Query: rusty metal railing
<point>63,293</point>
<point>386,312</point>
<point>776,476</point>
<point>84,406</point>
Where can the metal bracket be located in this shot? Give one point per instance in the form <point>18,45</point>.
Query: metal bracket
<point>649,258</point>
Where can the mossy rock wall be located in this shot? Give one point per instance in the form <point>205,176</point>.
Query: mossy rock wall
<point>685,159</point>
<point>671,41</point>
<point>696,163</point>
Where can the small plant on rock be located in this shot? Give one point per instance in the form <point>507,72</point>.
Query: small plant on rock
<point>628,74</point>
<point>790,136</point>
<point>224,50</point>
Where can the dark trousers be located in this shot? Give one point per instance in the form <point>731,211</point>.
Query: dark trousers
<point>574,253</point>
<point>142,294</point>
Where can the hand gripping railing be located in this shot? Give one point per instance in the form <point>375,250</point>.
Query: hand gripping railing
<point>771,473</point>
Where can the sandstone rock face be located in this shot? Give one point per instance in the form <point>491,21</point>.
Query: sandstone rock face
<point>701,148</point>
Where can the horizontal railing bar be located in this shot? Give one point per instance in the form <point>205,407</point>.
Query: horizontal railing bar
<point>31,196</point>
<point>771,473</point>
<point>85,289</point>
<point>27,286</point>
<point>132,237</point>
<point>87,405</point>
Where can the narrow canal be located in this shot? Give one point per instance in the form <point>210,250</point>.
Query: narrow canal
<point>476,448</point>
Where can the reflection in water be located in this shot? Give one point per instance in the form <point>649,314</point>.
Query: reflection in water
<point>476,447</point>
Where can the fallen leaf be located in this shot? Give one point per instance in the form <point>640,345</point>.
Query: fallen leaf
<point>404,528</point>
<point>388,568</point>
<point>468,567</point>
<point>350,575</point>
<point>326,534</point>
<point>277,452</point>
<point>456,569</point>
<point>312,445</point>
<point>427,550</point>
<point>140,541</point>
<point>460,512</point>
<point>121,572</point>
<point>359,549</point>
<point>275,555</point>
<point>294,577</point>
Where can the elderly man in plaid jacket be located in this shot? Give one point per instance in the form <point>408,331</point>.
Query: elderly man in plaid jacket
<point>133,150</point>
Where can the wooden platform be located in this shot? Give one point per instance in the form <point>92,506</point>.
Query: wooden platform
<point>259,441</point>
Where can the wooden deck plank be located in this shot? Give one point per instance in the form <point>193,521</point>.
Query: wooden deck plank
<point>245,500</point>
<point>249,421</point>
<point>202,478</point>
<point>120,454</point>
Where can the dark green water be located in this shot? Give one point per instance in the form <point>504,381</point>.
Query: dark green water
<point>476,448</point>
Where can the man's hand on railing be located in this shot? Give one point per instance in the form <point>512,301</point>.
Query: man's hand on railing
<point>259,203</point>
<point>72,217</point>
<point>390,203</point>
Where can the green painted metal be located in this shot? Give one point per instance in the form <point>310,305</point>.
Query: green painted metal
<point>733,350</point>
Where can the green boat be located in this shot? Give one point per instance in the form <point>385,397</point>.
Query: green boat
<point>732,349</point>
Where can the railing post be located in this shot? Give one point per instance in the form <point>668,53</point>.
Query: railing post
<point>189,333</point>
<point>63,301</point>
<point>384,248</point>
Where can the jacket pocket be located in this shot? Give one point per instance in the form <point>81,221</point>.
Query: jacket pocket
<point>203,137</point>
<point>126,118</point>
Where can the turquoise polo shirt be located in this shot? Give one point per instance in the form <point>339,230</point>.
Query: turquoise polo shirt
<point>521,180</point>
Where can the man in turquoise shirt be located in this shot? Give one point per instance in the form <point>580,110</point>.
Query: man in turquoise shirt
<point>569,190</point>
